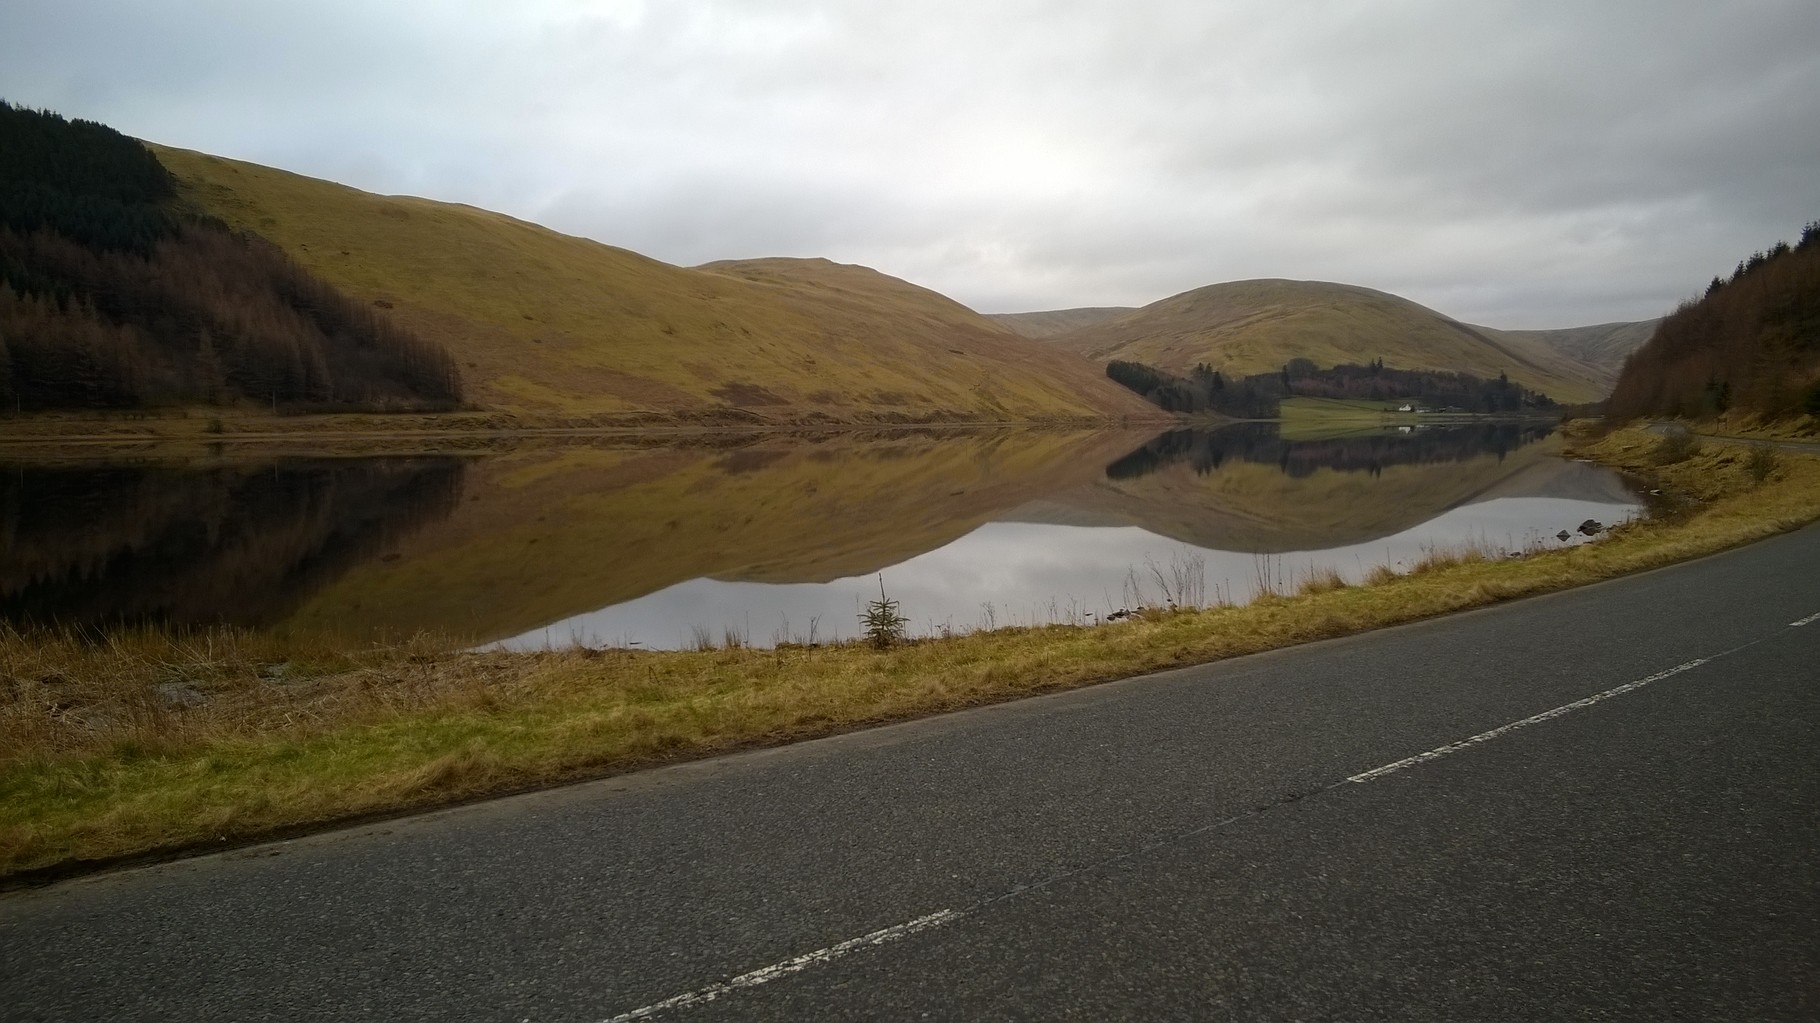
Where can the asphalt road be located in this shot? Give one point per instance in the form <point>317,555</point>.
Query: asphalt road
<point>1181,846</point>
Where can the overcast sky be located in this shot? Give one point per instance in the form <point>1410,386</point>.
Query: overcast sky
<point>1517,164</point>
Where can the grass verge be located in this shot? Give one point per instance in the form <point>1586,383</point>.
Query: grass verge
<point>146,743</point>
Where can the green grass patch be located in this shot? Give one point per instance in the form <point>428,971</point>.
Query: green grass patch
<point>1342,408</point>
<point>1329,418</point>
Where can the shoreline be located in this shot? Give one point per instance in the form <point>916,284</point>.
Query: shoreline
<point>49,440</point>
<point>188,434</point>
<point>235,424</point>
<point>408,729</point>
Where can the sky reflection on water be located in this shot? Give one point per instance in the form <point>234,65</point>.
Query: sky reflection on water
<point>1024,573</point>
<point>660,546</point>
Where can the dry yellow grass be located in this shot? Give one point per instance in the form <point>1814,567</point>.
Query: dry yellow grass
<point>1317,581</point>
<point>1750,425</point>
<point>147,743</point>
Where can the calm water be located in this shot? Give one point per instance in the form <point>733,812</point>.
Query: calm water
<point>769,540</point>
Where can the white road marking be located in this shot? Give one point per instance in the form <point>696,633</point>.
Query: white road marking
<point>1455,747</point>
<point>766,974</point>
<point>777,971</point>
<point>1809,620</point>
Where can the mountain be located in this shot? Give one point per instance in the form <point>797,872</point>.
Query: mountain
<point>1247,327</point>
<point>1604,346</point>
<point>1045,325</point>
<point>1751,344</point>
<point>550,325</point>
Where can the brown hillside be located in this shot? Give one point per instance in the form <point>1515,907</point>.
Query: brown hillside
<point>550,325</point>
<point>1603,346</point>
<point>1056,322</point>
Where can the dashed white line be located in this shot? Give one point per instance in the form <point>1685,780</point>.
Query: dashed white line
<point>797,964</point>
<point>1809,620</point>
<point>1482,737</point>
<point>766,974</point>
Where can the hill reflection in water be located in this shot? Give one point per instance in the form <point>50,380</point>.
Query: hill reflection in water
<point>757,535</point>
<point>182,544</point>
<point>1262,443</point>
<point>1245,503</point>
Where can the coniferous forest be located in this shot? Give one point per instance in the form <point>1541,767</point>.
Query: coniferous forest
<point>1751,343</point>
<point>112,298</point>
<point>1259,395</point>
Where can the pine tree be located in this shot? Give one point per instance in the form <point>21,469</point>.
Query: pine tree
<point>209,377</point>
<point>8,402</point>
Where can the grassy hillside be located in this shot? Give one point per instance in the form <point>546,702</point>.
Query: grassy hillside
<point>550,325</point>
<point>1603,346</point>
<point>1256,326</point>
<point>1056,322</point>
<point>112,299</point>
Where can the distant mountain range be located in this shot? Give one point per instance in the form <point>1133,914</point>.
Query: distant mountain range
<point>1042,326</point>
<point>1604,346</point>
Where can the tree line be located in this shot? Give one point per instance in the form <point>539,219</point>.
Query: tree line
<point>111,297</point>
<point>1260,443</point>
<point>241,544</point>
<point>1751,342</point>
<point>1259,395</point>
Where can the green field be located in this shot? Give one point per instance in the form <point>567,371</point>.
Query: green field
<point>1322,418</point>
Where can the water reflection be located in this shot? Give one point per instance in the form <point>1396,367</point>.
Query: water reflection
<point>179,544</point>
<point>759,535</point>
<point>1241,508</point>
<point>1262,443</point>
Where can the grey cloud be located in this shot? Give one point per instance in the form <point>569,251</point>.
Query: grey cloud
<point>1519,164</point>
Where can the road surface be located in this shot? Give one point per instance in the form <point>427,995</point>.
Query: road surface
<point>1619,818</point>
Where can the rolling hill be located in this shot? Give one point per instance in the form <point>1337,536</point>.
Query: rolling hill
<point>1042,326</point>
<point>318,297</point>
<point>1603,346</point>
<point>1247,327</point>
<point>111,298</point>
<point>553,326</point>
